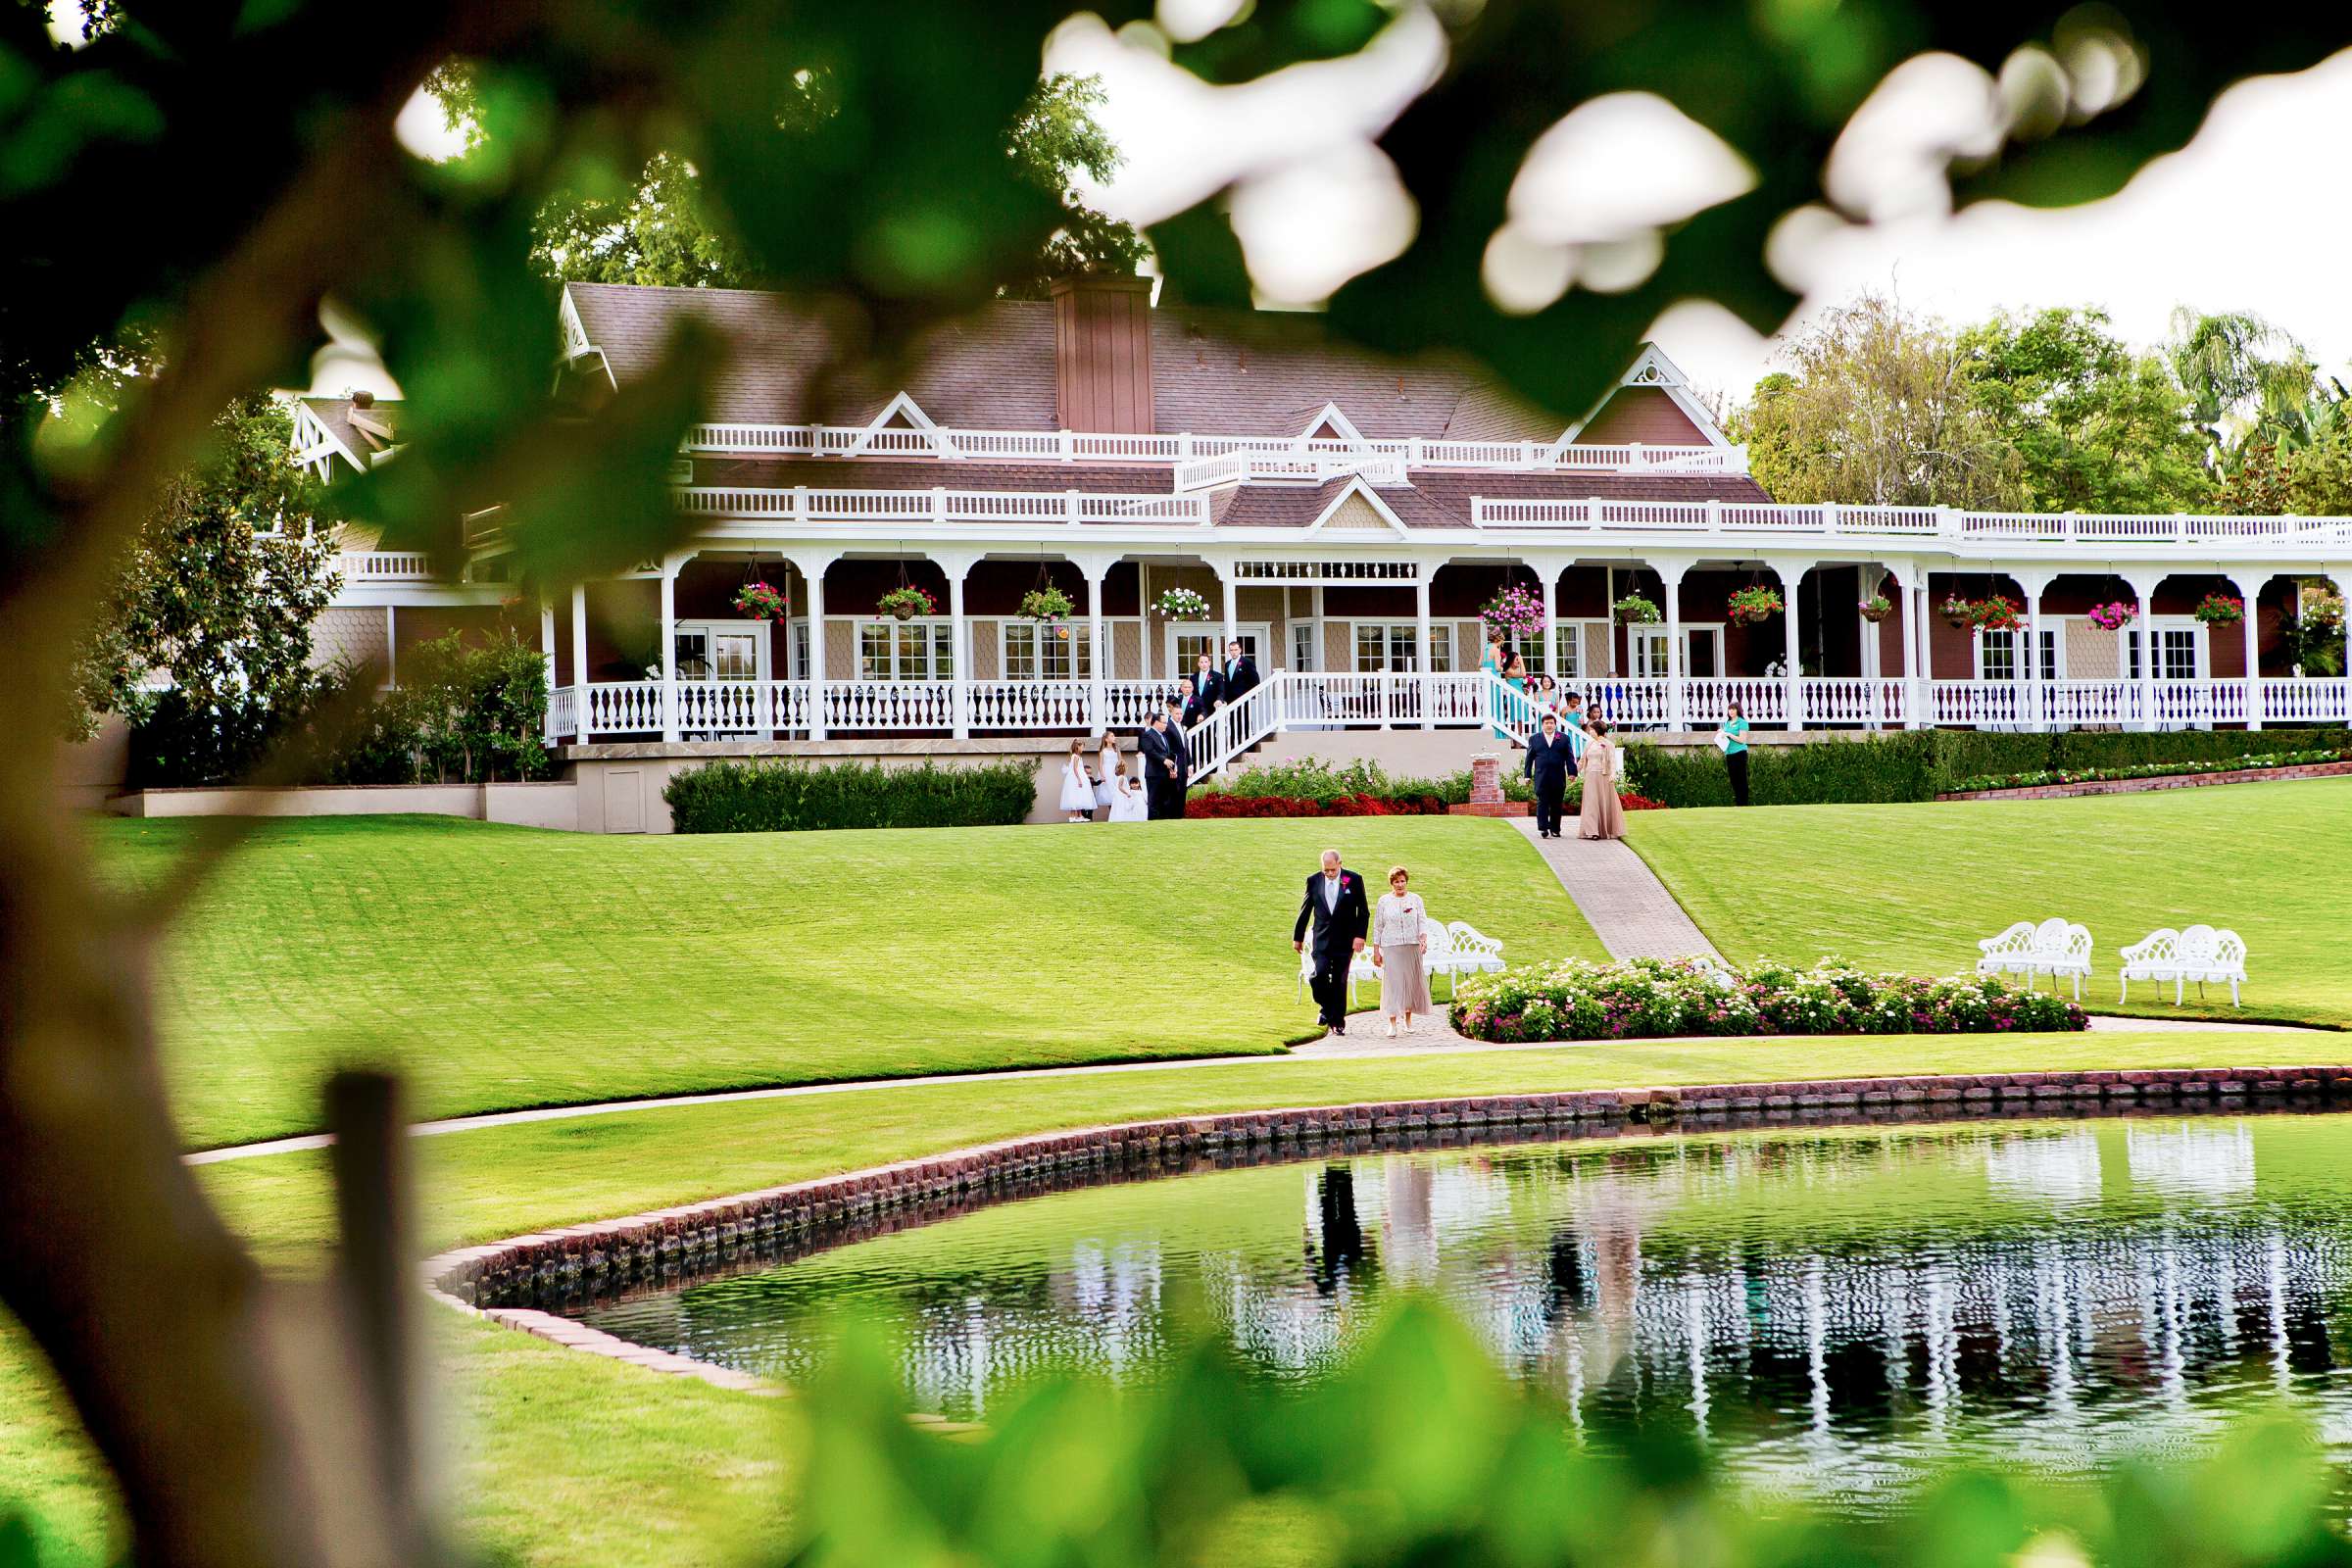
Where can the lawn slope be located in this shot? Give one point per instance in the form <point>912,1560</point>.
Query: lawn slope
<point>504,967</point>
<point>1914,887</point>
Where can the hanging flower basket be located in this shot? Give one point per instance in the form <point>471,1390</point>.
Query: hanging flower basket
<point>1635,610</point>
<point>2000,613</point>
<point>2113,617</point>
<point>1877,608</point>
<point>1958,612</point>
<point>1753,607</point>
<point>906,602</point>
<point>1515,612</point>
<point>1045,603</point>
<point>2220,609</point>
<point>1181,604</point>
<point>762,601</point>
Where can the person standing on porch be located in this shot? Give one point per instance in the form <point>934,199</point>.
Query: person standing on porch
<point>1733,738</point>
<point>1240,676</point>
<point>1188,700</point>
<point>1335,907</point>
<point>1077,789</point>
<point>1180,750</point>
<point>1603,815</point>
<point>1550,765</point>
<point>1208,687</point>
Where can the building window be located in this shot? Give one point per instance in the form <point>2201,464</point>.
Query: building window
<point>1996,655</point>
<point>1566,656</point>
<point>905,649</point>
<point>2179,650</point>
<point>1036,652</point>
<point>1391,647</point>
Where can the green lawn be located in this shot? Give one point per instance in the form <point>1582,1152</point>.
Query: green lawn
<point>1916,886</point>
<point>506,967</point>
<point>562,1458</point>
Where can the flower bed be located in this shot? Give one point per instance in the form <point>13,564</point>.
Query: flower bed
<point>1314,787</point>
<point>2101,775</point>
<point>1653,998</point>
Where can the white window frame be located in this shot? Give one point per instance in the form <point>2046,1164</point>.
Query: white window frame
<point>1080,645</point>
<point>1656,632</point>
<point>1262,631</point>
<point>936,646</point>
<point>1307,647</point>
<point>2053,650</point>
<point>1568,634</point>
<point>2127,640</point>
<point>757,630</point>
<point>1390,631</point>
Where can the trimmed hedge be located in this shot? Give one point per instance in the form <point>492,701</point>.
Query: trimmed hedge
<point>1920,764</point>
<point>732,796</point>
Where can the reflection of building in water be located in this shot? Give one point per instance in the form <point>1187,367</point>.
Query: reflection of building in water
<point>2189,1161</point>
<point>2060,1169</point>
<point>1104,1314</point>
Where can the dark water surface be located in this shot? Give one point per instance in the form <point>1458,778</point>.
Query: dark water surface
<point>1832,1310</point>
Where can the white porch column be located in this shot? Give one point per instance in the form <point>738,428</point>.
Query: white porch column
<point>1670,588</point>
<point>1421,634</point>
<point>813,572</point>
<point>1098,696</point>
<point>2343,590</point>
<point>1790,583</point>
<point>669,645</point>
<point>580,657</point>
<point>547,652</point>
<point>1609,618</point>
<point>1902,577</point>
<point>2031,709</point>
<point>2143,589</point>
<point>1233,611</point>
<point>956,566</point>
<point>1550,571</point>
<point>2249,586</point>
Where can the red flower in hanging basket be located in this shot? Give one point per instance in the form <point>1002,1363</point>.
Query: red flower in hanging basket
<point>2220,609</point>
<point>1753,607</point>
<point>906,603</point>
<point>762,601</point>
<point>2000,613</point>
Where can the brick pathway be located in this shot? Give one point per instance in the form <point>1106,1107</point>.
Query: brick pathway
<point>1629,907</point>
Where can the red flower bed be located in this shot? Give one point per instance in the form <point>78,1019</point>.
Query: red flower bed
<point>1235,805</point>
<point>1639,802</point>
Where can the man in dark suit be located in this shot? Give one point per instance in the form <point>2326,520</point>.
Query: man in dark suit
<point>1180,752</point>
<point>1157,762</point>
<point>1550,765</point>
<point>1208,687</point>
<point>1240,676</point>
<point>1335,907</point>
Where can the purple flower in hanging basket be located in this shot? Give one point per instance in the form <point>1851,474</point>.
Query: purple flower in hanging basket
<point>1515,610</point>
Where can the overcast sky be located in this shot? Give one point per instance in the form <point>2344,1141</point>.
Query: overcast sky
<point>2248,216</point>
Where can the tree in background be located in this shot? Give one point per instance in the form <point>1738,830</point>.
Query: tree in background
<point>658,228</point>
<point>2234,364</point>
<point>219,588</point>
<point>2097,426</point>
<point>1875,410</point>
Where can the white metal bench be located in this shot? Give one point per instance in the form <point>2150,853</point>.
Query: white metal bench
<point>2059,948</point>
<point>1457,947</point>
<point>1359,968</point>
<point>2198,954</point>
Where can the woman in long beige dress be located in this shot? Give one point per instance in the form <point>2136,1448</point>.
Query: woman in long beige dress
<point>1400,939</point>
<point>1602,814</point>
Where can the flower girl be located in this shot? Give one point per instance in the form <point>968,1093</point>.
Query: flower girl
<point>1127,801</point>
<point>1077,790</point>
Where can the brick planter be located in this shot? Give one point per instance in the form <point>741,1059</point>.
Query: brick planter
<point>512,1280</point>
<point>2175,781</point>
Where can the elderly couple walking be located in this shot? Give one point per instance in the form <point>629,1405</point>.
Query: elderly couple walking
<point>1333,925</point>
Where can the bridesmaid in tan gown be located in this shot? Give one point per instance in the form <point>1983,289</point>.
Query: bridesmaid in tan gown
<point>1602,814</point>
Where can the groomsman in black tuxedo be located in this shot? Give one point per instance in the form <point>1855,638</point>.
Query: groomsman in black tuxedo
<point>1208,690</point>
<point>1180,752</point>
<point>1335,907</point>
<point>1157,760</point>
<point>1240,676</point>
<point>1550,765</point>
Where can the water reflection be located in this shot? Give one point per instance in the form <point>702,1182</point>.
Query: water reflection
<point>1833,1310</point>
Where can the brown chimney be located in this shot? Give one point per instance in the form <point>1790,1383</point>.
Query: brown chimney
<point>1102,354</point>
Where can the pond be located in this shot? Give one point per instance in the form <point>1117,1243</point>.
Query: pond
<point>1835,1311</point>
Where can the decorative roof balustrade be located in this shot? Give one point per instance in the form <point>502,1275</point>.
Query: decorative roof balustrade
<point>1070,445</point>
<point>1065,507</point>
<point>1942,524</point>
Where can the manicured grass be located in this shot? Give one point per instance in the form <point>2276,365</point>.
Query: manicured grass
<point>504,967</point>
<point>564,1459</point>
<point>1914,887</point>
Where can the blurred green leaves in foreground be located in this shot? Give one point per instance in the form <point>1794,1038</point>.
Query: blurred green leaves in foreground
<point>1420,1452</point>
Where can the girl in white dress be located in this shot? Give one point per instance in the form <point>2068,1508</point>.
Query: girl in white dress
<point>1106,771</point>
<point>1077,790</point>
<point>1127,803</point>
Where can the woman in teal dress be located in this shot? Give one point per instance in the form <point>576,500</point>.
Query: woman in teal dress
<point>1518,708</point>
<point>1494,663</point>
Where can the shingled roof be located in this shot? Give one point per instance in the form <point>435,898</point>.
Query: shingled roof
<point>1213,371</point>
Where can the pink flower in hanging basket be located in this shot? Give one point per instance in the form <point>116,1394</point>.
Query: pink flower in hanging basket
<point>2113,617</point>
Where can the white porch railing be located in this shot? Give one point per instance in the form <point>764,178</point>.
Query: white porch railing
<point>1288,468</point>
<point>1763,519</point>
<point>384,566</point>
<point>706,710</point>
<point>1083,445</point>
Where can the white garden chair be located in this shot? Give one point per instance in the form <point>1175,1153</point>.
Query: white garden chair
<point>2210,955</point>
<point>2057,948</point>
<point>1359,969</point>
<point>2155,957</point>
<point>1473,952</point>
<point>2010,953</point>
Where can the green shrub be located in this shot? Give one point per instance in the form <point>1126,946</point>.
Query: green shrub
<point>1920,764</point>
<point>760,797</point>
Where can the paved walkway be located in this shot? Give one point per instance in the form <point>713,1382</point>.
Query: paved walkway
<point>1363,1041</point>
<point>1628,907</point>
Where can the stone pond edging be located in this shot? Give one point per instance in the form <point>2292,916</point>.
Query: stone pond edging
<point>816,1212</point>
<point>2169,781</point>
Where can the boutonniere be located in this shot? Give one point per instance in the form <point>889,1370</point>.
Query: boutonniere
<point>1347,881</point>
